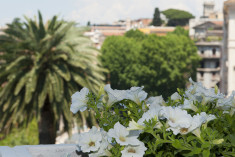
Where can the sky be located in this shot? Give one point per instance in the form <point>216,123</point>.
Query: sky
<point>96,11</point>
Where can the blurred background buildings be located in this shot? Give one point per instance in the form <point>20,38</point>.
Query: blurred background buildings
<point>211,32</point>
<point>206,31</point>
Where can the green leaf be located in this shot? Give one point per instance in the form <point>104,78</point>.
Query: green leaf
<point>190,138</point>
<point>15,63</point>
<point>28,93</point>
<point>60,56</point>
<point>43,93</point>
<point>63,71</point>
<point>177,144</point>
<point>206,145</point>
<point>206,153</point>
<point>21,84</point>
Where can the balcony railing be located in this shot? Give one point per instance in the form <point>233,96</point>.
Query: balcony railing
<point>210,56</point>
<point>54,150</point>
<point>208,69</point>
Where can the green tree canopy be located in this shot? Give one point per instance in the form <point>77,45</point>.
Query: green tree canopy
<point>160,64</point>
<point>177,17</point>
<point>117,54</point>
<point>42,65</point>
<point>135,34</point>
<point>180,31</point>
<point>157,21</point>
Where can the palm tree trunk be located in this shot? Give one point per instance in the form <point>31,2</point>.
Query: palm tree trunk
<point>47,125</point>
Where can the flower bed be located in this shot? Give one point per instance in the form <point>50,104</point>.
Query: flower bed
<point>195,122</point>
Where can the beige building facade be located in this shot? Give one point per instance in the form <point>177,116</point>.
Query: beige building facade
<point>207,33</point>
<point>228,54</point>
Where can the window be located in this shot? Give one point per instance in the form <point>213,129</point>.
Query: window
<point>201,73</point>
<point>202,64</point>
<point>202,52</point>
<point>217,64</point>
<point>213,51</point>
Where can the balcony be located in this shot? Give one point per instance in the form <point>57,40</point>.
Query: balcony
<point>208,43</point>
<point>208,69</point>
<point>210,56</point>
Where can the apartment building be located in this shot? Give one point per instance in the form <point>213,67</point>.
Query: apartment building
<point>207,32</point>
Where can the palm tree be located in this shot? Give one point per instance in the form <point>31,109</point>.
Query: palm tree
<point>41,66</point>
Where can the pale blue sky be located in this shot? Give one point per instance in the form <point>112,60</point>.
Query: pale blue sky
<point>96,11</point>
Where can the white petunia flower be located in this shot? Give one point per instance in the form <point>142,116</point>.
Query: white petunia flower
<point>197,92</point>
<point>155,101</point>
<point>176,117</point>
<point>137,94</point>
<point>152,113</point>
<point>209,95</point>
<point>207,118</point>
<point>115,95</point>
<point>104,146</point>
<point>192,124</point>
<point>90,141</point>
<point>198,120</point>
<point>227,103</point>
<point>122,135</point>
<point>188,104</point>
<point>134,151</point>
<point>79,100</point>
<point>175,96</point>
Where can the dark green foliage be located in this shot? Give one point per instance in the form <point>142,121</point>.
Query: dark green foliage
<point>44,64</point>
<point>157,21</point>
<point>177,17</point>
<point>160,64</point>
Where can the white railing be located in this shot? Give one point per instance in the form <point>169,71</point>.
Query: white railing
<point>54,150</point>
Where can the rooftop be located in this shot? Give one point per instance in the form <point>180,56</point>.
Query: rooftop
<point>207,24</point>
<point>157,30</point>
<point>111,33</point>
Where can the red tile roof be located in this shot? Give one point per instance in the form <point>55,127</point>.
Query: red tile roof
<point>219,23</point>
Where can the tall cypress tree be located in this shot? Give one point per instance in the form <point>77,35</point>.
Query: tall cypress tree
<point>156,18</point>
